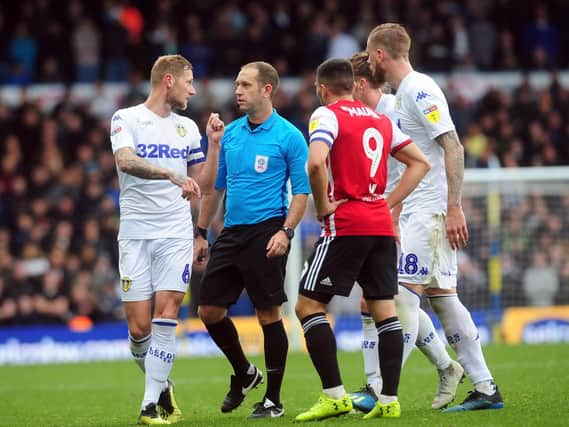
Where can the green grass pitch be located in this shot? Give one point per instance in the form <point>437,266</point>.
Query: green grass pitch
<point>534,381</point>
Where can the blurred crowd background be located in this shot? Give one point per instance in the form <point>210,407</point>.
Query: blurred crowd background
<point>58,187</point>
<point>110,39</point>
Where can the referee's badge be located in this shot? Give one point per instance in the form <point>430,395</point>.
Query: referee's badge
<point>126,283</point>
<point>261,163</point>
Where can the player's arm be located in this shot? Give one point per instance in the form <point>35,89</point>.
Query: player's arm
<point>296,158</point>
<point>395,214</point>
<point>318,177</point>
<point>456,229</point>
<point>213,172</point>
<point>279,242</point>
<point>323,130</point>
<point>417,167</point>
<point>128,162</point>
<point>205,173</point>
<point>208,208</point>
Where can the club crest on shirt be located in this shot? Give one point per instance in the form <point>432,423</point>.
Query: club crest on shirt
<point>181,130</point>
<point>261,163</point>
<point>126,283</point>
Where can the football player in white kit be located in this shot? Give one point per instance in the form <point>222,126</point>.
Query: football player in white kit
<point>432,223</point>
<point>368,90</point>
<point>154,149</point>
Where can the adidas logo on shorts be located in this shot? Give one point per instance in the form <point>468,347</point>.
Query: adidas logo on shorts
<point>326,281</point>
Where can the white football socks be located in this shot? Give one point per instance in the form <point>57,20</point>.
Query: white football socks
<point>462,336</point>
<point>138,349</point>
<point>370,353</point>
<point>159,359</point>
<point>407,304</point>
<point>430,344</point>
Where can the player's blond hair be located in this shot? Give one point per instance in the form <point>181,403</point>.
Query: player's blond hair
<point>362,69</point>
<point>168,64</point>
<point>394,38</point>
<point>267,74</point>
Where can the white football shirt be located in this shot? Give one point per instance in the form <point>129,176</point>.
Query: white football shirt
<point>386,105</point>
<point>421,111</point>
<point>153,208</point>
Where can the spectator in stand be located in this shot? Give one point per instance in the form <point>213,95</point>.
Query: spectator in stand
<point>541,40</point>
<point>482,39</point>
<point>115,43</point>
<point>506,58</point>
<point>562,297</point>
<point>8,308</point>
<point>51,302</point>
<point>86,41</point>
<point>23,50</point>
<point>341,43</point>
<point>315,45</point>
<point>196,47</point>
<point>540,282</point>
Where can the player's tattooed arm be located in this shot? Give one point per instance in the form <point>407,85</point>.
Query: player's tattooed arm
<point>454,164</point>
<point>128,162</point>
<point>455,222</point>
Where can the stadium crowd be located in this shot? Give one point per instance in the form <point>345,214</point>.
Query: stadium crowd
<point>58,183</point>
<point>109,39</point>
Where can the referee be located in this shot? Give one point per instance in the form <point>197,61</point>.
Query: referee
<point>258,153</point>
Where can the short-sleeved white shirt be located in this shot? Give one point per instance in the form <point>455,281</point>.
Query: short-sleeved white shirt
<point>421,111</point>
<point>154,209</point>
<point>386,105</point>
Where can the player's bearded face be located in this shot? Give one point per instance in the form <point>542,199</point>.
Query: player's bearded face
<point>376,66</point>
<point>377,70</point>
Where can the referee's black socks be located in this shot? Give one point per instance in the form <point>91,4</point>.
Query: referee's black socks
<point>225,336</point>
<point>276,349</point>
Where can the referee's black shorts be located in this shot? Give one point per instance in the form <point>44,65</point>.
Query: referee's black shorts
<point>239,260</point>
<point>337,262</point>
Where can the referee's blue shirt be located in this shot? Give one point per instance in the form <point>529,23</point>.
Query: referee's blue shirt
<point>255,165</point>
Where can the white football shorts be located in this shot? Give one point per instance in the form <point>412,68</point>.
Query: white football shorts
<point>426,256</point>
<point>151,265</point>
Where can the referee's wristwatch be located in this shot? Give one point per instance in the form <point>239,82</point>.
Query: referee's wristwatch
<point>200,232</point>
<point>288,231</point>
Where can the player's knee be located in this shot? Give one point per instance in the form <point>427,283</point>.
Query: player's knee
<point>433,292</point>
<point>266,316</point>
<point>211,314</point>
<point>301,310</point>
<point>139,330</point>
<point>305,307</point>
<point>363,306</point>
